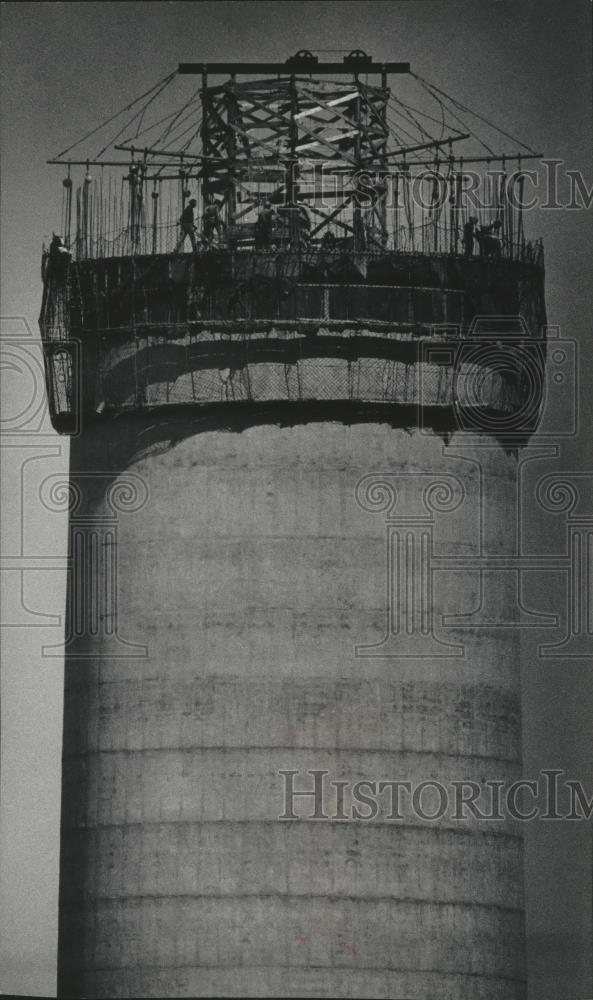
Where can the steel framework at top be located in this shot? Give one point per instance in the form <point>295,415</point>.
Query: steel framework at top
<point>304,61</point>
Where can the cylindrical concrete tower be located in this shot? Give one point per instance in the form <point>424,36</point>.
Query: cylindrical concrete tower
<point>281,500</point>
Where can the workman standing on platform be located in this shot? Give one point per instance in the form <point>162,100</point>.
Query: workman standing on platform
<point>265,226</point>
<point>188,226</point>
<point>469,235</point>
<point>211,220</point>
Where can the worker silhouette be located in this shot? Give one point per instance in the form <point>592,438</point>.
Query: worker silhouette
<point>211,222</point>
<point>328,241</point>
<point>188,226</point>
<point>470,235</point>
<point>265,226</point>
<point>489,240</point>
<point>59,258</point>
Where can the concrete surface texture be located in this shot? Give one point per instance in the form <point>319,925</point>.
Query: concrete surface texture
<point>251,566</point>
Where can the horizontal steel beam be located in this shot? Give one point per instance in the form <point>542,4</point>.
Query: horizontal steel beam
<point>307,67</point>
<point>106,163</point>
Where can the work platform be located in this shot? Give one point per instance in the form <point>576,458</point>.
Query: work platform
<point>332,247</point>
<point>129,333</point>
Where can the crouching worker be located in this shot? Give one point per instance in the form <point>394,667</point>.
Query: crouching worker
<point>489,239</point>
<point>58,259</point>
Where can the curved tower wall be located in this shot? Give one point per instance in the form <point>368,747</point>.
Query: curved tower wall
<point>251,571</point>
<point>266,536</point>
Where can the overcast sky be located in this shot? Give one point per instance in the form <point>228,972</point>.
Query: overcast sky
<point>527,65</point>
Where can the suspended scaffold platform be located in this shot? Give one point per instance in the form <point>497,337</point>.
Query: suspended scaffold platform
<point>295,232</point>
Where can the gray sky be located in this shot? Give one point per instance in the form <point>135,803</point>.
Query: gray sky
<point>65,66</point>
